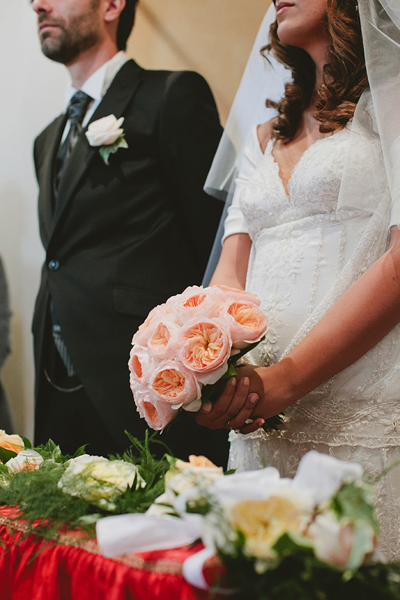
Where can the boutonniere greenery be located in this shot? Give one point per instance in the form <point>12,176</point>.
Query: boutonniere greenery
<point>108,135</point>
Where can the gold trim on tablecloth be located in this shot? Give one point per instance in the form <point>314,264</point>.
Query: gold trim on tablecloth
<point>84,542</point>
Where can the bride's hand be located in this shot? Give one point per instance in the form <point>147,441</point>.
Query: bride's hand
<point>260,393</point>
<point>232,409</point>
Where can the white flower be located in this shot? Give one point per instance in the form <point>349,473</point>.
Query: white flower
<point>198,473</point>
<point>27,460</point>
<point>105,131</point>
<point>323,475</point>
<point>99,480</point>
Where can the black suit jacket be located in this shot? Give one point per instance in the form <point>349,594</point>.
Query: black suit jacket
<point>123,238</point>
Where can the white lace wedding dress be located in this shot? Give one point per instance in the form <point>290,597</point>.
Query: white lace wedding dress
<point>305,253</point>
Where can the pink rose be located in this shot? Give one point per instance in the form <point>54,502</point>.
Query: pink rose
<point>333,542</point>
<point>174,384</point>
<point>163,343</point>
<point>196,302</point>
<point>247,322</point>
<point>205,348</point>
<point>227,293</point>
<point>156,412</point>
<point>146,329</point>
<point>141,363</point>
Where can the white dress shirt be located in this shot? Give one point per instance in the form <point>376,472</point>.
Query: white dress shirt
<point>96,86</point>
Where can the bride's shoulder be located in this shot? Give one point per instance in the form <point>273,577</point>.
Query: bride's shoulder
<point>264,134</point>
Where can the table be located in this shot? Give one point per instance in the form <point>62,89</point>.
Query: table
<point>33,568</point>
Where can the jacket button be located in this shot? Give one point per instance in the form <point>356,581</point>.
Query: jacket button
<point>54,265</point>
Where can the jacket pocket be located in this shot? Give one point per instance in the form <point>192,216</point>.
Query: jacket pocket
<point>134,302</point>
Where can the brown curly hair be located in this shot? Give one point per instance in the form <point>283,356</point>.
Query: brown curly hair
<point>345,75</point>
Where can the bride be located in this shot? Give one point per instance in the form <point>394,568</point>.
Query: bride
<point>312,231</point>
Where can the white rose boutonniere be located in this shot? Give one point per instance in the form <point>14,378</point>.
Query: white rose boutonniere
<point>108,135</point>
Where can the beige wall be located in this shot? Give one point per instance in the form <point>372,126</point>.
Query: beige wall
<point>213,37</point>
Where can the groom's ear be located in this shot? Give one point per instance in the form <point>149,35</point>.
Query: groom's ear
<point>112,10</point>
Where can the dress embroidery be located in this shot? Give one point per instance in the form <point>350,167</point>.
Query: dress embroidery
<point>305,254</point>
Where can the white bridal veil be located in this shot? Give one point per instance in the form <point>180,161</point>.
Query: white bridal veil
<point>377,114</point>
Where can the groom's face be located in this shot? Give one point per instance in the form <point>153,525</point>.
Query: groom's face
<point>68,27</point>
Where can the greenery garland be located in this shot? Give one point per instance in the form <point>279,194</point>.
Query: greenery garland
<point>47,508</point>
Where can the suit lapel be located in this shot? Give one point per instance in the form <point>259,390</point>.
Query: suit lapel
<point>115,101</point>
<point>46,187</point>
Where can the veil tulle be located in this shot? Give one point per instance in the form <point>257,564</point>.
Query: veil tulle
<point>261,79</point>
<point>377,116</point>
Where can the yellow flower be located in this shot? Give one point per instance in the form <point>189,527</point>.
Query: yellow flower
<point>263,521</point>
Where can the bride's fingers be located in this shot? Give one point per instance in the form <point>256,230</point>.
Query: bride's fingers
<point>239,420</point>
<point>209,418</point>
<point>206,408</point>
<point>225,412</point>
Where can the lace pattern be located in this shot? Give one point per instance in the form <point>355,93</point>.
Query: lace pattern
<point>305,254</point>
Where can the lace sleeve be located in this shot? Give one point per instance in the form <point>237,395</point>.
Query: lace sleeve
<point>235,221</point>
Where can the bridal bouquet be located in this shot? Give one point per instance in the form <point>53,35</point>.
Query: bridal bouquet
<point>187,345</point>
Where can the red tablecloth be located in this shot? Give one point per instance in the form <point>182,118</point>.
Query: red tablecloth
<point>73,569</point>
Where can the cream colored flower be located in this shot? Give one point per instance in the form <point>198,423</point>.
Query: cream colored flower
<point>264,521</point>
<point>26,460</point>
<point>105,131</point>
<point>184,476</point>
<point>97,479</point>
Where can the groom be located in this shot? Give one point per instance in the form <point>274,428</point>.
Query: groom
<point>122,233</point>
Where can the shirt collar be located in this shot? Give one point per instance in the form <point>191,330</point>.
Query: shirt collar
<point>98,83</point>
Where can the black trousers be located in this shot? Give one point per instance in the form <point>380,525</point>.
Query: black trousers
<point>69,417</point>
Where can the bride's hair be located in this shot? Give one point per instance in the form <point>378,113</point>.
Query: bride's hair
<point>345,76</point>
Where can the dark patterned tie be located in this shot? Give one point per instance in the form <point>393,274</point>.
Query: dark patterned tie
<point>76,112</point>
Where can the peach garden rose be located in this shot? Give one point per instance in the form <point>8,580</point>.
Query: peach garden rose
<point>146,329</point>
<point>247,322</point>
<point>175,384</point>
<point>196,302</point>
<point>156,412</point>
<point>140,363</point>
<point>163,343</point>
<point>11,442</point>
<point>205,348</point>
<point>227,293</point>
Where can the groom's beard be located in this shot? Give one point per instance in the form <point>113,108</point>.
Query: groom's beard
<point>67,40</point>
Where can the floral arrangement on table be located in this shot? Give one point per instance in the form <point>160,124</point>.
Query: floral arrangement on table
<point>312,537</point>
<point>54,490</point>
<point>186,349</point>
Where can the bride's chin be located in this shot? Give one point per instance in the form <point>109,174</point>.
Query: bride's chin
<point>288,34</point>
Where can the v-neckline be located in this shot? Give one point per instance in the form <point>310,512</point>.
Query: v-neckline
<point>268,152</point>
